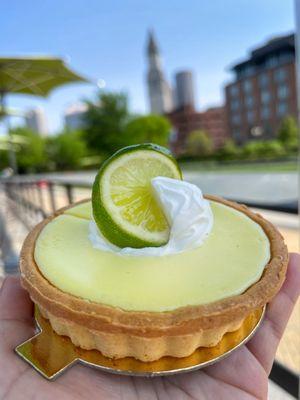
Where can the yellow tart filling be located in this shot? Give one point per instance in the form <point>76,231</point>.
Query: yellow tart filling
<point>231,259</point>
<point>83,210</point>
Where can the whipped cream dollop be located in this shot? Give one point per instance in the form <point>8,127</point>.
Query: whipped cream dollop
<point>189,216</point>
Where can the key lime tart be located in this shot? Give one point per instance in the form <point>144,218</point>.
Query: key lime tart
<point>149,267</point>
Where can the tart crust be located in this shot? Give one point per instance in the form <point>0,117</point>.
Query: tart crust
<point>148,336</point>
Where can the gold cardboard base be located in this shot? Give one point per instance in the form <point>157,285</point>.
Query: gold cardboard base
<point>51,354</point>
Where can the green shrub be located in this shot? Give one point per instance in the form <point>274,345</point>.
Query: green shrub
<point>288,133</point>
<point>199,144</point>
<point>229,151</point>
<point>263,149</point>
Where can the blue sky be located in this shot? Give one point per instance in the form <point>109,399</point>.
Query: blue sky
<point>106,39</point>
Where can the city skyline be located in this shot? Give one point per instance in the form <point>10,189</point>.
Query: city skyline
<point>198,45</point>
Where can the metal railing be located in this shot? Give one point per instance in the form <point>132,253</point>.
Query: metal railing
<point>32,200</point>
<point>39,197</point>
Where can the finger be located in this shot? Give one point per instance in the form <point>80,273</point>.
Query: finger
<point>265,342</point>
<point>15,303</point>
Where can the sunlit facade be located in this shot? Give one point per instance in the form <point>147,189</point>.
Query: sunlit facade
<point>263,91</point>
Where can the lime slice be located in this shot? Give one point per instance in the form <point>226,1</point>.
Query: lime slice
<point>124,206</point>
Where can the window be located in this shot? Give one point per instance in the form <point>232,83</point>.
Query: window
<point>237,136</point>
<point>268,130</point>
<point>236,119</point>
<point>249,101</point>
<point>280,74</point>
<point>265,96</point>
<point>265,112</point>
<point>247,86</point>
<point>286,57</point>
<point>282,108</point>
<point>234,105</point>
<point>263,80</point>
<point>233,90</point>
<point>250,117</point>
<point>272,62</point>
<point>282,92</point>
<point>249,70</point>
<point>245,71</point>
<point>173,136</point>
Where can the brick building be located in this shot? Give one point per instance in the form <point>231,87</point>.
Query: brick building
<point>214,123</point>
<point>263,91</point>
<point>186,120</point>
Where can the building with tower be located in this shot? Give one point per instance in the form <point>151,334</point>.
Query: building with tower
<point>160,94</point>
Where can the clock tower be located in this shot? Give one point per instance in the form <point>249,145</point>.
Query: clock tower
<point>160,95</point>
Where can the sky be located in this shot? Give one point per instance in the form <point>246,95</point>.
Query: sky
<point>107,39</point>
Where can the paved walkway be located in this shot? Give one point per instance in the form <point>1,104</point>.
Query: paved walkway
<point>16,232</point>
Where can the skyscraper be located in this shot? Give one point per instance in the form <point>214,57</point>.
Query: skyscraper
<point>185,89</point>
<point>36,121</point>
<point>160,94</point>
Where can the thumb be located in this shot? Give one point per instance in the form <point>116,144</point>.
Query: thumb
<point>266,340</point>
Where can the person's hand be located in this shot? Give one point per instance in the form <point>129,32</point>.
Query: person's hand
<point>243,375</point>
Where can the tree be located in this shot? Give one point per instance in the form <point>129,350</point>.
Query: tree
<point>104,122</point>
<point>146,129</point>
<point>199,143</point>
<point>66,150</point>
<point>4,162</point>
<point>288,133</point>
<point>32,155</point>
